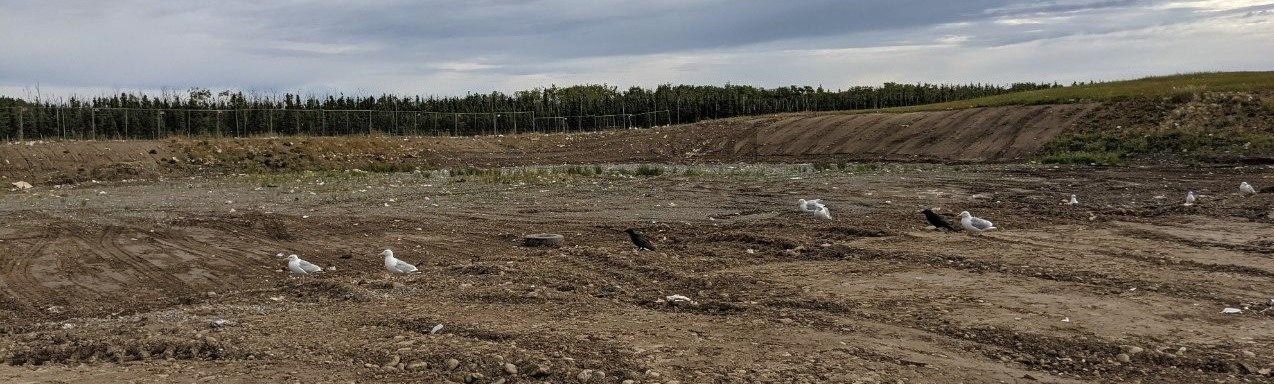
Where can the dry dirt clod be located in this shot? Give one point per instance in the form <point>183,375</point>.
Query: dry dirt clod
<point>1123,358</point>
<point>452,364</point>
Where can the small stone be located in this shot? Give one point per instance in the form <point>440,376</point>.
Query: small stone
<point>790,253</point>
<point>511,369</point>
<point>452,364</point>
<point>1131,349</point>
<point>393,361</point>
<point>370,365</point>
<point>537,370</point>
<point>585,375</point>
<point>652,374</point>
<point>473,377</point>
<point>1249,353</point>
<point>499,381</point>
<point>417,365</point>
<point>1123,358</point>
<point>629,381</point>
<point>786,320</point>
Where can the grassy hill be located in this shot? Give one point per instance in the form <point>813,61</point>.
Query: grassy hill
<point>1178,87</point>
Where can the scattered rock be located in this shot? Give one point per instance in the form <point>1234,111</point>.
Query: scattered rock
<point>473,377</point>
<point>1123,358</point>
<point>417,365</point>
<point>1131,349</point>
<point>452,364</point>
<point>219,323</point>
<point>538,370</point>
<point>22,185</point>
<point>551,240</point>
<point>790,253</point>
<point>1249,353</point>
<point>678,300</point>
<point>585,375</point>
<point>511,369</point>
<point>393,361</point>
<point>786,320</point>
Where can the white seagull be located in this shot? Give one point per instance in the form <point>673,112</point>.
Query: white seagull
<point>396,266</point>
<point>821,211</point>
<point>1189,198</point>
<point>1073,201</point>
<point>301,267</point>
<point>974,224</point>
<point>808,205</point>
<point>1246,188</point>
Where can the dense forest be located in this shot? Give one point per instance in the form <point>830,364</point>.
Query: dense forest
<point>201,112</point>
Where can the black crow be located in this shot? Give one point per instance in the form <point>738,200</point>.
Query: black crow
<point>639,239</point>
<point>937,220</point>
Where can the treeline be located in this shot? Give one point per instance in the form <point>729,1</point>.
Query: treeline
<point>577,108</point>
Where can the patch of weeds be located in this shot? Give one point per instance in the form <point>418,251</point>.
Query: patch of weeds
<point>1111,148</point>
<point>1083,158</point>
<point>582,170</point>
<point>646,170</point>
<point>388,167</point>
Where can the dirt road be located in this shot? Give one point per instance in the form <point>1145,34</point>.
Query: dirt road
<point>122,281</point>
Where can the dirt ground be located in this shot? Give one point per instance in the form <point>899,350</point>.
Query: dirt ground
<point>123,281</point>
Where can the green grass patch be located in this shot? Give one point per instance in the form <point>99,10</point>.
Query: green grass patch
<point>1114,148</point>
<point>646,170</point>
<point>388,167</point>
<point>1178,88</point>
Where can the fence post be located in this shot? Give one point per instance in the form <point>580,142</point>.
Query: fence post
<point>20,110</point>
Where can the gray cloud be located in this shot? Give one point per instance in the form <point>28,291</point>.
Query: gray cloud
<point>446,47</point>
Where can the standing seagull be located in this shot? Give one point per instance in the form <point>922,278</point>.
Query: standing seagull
<point>639,239</point>
<point>394,265</point>
<point>1189,198</point>
<point>301,267</point>
<point>1073,201</point>
<point>1246,188</point>
<point>974,224</point>
<point>937,221</point>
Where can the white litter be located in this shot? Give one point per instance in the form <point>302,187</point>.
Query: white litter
<point>22,185</point>
<point>1231,311</point>
<point>435,329</point>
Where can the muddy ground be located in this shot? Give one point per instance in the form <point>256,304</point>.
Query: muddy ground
<point>122,281</point>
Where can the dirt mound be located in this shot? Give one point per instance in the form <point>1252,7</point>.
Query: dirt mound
<point>992,134</point>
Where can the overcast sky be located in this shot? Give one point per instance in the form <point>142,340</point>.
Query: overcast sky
<point>453,47</point>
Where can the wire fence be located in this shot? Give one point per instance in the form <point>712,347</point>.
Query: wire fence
<point>87,123</point>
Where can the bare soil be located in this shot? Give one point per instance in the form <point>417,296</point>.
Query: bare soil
<point>122,281</point>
